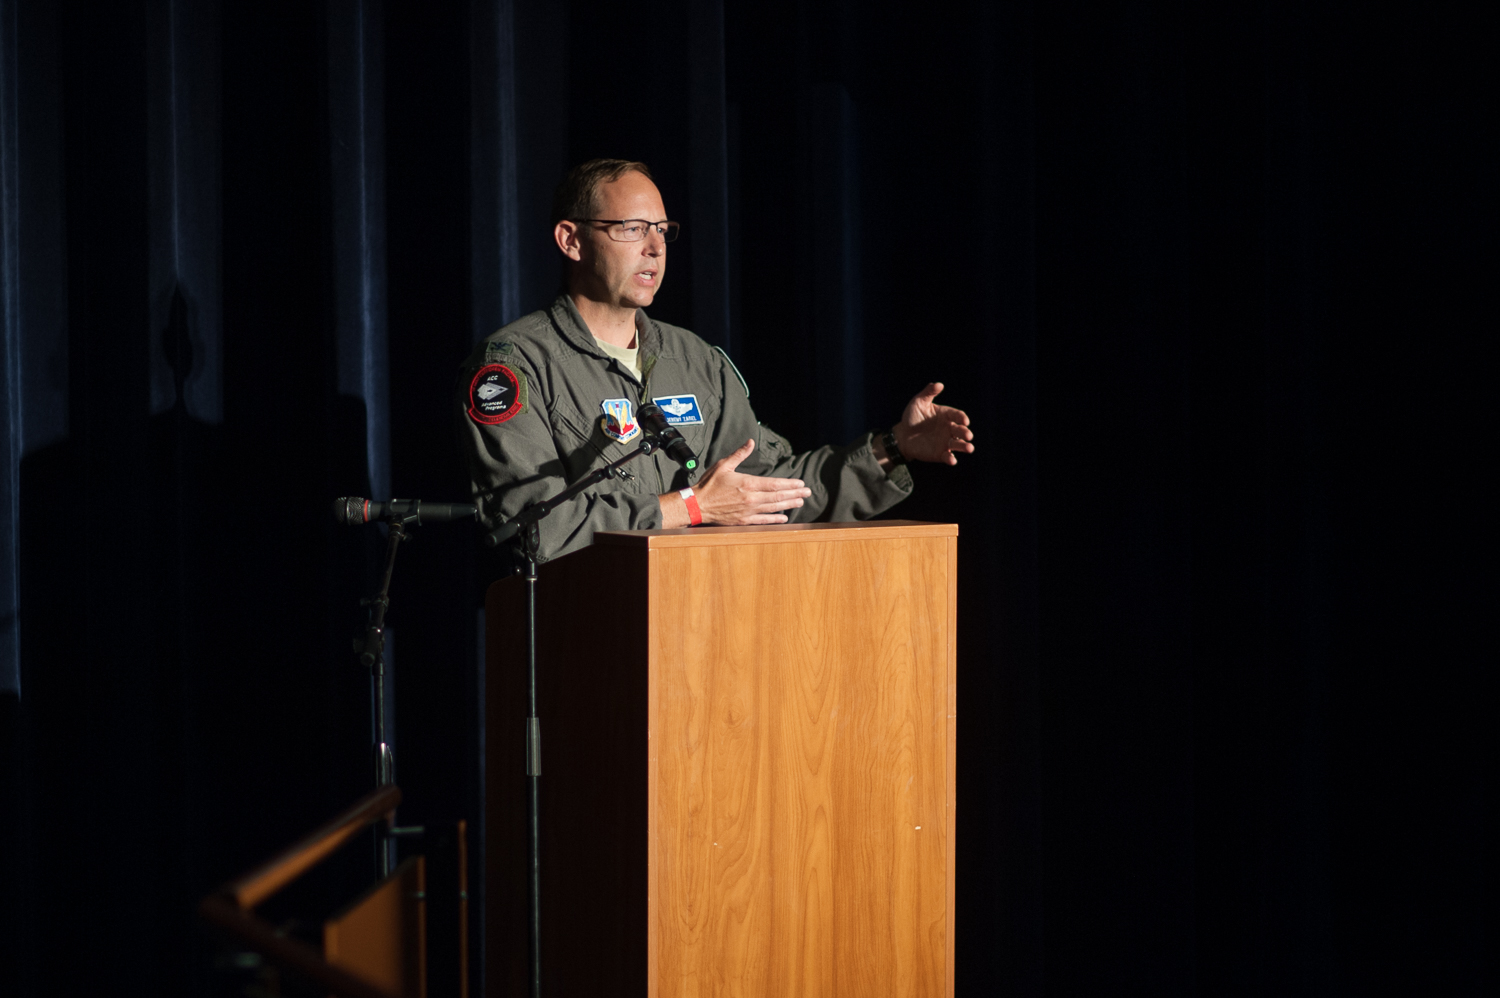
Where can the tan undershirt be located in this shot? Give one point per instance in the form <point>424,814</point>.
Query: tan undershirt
<point>625,355</point>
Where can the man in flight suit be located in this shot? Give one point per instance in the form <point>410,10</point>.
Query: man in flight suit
<point>555,394</point>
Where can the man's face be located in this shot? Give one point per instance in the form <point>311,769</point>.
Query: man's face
<point>623,274</point>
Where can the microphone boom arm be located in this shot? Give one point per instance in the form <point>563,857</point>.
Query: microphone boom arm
<point>524,522</point>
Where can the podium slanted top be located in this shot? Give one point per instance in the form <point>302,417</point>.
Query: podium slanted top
<point>777,533</point>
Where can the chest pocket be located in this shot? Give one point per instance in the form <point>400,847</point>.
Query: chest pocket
<point>584,446</point>
<point>580,442</point>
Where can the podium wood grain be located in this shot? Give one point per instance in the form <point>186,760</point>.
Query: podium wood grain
<point>757,793</point>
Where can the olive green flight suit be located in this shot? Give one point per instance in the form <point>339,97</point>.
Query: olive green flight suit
<point>529,400</point>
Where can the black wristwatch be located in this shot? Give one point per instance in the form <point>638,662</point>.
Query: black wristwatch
<point>892,449</point>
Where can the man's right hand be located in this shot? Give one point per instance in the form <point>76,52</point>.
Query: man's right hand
<point>728,498</point>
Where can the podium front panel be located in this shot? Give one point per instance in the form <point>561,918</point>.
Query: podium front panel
<point>747,766</point>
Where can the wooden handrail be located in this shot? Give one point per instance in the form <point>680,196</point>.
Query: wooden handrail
<point>290,953</point>
<point>270,877</point>
<point>229,907</point>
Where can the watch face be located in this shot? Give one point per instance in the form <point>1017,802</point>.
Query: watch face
<point>892,449</point>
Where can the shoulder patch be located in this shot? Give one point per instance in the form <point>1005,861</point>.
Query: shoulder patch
<point>503,347</point>
<point>496,394</point>
<point>736,370</point>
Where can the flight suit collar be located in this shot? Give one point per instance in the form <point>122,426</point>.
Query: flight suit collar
<point>571,327</point>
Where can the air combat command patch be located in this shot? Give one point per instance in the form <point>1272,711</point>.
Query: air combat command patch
<point>619,420</point>
<point>496,394</point>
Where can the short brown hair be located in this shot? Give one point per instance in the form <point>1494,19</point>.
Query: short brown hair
<point>578,195</point>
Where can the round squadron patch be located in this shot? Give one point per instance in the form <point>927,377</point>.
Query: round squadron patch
<point>496,394</point>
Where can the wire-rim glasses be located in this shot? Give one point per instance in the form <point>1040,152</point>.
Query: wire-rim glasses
<point>633,230</point>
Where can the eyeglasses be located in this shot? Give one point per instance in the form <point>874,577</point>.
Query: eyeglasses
<point>633,230</point>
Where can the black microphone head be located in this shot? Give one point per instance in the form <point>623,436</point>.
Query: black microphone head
<point>351,511</point>
<point>655,422</point>
<point>679,451</point>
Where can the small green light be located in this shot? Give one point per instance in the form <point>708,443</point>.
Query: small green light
<point>691,465</point>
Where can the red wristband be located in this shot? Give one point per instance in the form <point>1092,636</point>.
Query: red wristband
<point>695,515</point>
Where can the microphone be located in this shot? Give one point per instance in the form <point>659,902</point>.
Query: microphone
<point>654,422</point>
<point>354,512</point>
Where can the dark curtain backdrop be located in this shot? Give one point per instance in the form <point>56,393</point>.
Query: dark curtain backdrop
<point>1210,280</point>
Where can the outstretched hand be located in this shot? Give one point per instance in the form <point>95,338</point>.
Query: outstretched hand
<point>729,498</point>
<point>932,432</point>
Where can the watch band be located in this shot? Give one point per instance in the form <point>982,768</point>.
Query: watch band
<point>695,513</point>
<point>892,449</point>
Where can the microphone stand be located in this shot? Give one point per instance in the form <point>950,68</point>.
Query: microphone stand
<point>524,538</point>
<point>371,651</point>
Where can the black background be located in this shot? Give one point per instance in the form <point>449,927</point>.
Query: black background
<point>1209,280</point>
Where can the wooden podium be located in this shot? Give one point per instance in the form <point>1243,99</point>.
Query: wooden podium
<point>747,764</point>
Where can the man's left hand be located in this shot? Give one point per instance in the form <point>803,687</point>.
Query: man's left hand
<point>932,432</point>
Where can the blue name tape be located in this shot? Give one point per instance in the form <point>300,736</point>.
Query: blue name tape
<point>681,410</point>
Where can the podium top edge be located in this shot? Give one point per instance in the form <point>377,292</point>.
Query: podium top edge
<point>780,533</point>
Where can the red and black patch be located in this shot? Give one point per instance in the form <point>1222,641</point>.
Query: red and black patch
<point>496,394</point>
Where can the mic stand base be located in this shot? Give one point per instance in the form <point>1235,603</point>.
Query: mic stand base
<point>533,783</point>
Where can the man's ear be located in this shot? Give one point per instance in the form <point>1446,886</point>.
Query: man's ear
<point>569,239</point>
